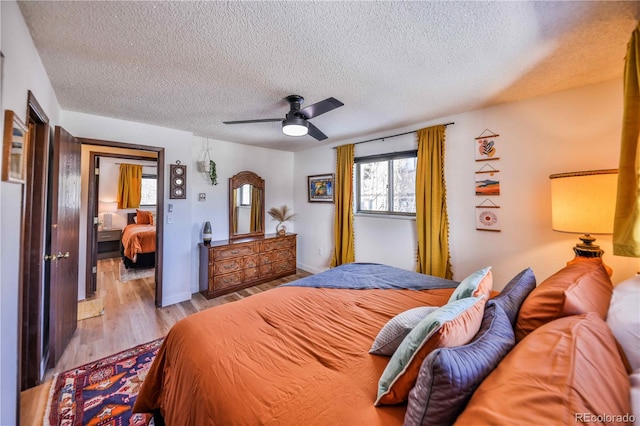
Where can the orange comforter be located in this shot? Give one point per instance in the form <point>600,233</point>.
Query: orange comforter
<point>288,356</point>
<point>138,239</point>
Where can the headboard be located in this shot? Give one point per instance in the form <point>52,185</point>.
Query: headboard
<point>130,218</point>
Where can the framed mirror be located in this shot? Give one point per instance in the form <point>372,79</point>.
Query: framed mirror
<point>246,205</point>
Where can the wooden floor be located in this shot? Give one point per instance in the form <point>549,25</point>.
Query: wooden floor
<point>130,318</point>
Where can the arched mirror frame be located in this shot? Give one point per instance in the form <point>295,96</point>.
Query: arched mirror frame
<point>236,182</point>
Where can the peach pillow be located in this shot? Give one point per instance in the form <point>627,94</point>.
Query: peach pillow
<point>144,217</point>
<point>452,325</point>
<point>568,371</point>
<point>575,289</point>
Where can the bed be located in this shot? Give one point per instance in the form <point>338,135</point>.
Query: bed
<point>296,354</point>
<point>138,243</point>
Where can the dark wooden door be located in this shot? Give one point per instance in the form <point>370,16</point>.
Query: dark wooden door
<point>65,223</point>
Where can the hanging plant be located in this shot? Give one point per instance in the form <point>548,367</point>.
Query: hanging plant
<point>213,175</point>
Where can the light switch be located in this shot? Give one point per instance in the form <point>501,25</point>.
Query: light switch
<point>169,208</point>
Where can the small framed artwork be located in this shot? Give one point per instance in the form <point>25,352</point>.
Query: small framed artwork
<point>14,154</point>
<point>320,188</point>
<point>488,217</point>
<point>487,147</point>
<point>487,182</point>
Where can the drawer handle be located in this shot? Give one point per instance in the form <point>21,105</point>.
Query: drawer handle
<point>229,266</point>
<point>235,251</point>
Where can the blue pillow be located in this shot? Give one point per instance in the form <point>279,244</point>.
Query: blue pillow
<point>449,376</point>
<point>511,297</point>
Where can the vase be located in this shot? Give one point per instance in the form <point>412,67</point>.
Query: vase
<point>281,229</point>
<point>206,233</point>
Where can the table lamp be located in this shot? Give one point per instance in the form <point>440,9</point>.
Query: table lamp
<point>584,203</point>
<point>106,208</point>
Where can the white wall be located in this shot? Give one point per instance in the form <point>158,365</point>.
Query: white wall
<point>22,71</point>
<point>275,167</point>
<point>177,144</point>
<point>573,130</point>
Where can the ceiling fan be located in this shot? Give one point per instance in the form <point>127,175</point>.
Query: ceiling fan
<point>296,121</point>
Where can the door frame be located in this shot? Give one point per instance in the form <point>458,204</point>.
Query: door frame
<point>91,208</point>
<point>32,353</point>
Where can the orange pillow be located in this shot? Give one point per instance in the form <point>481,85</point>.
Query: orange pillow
<point>568,371</point>
<point>144,217</point>
<point>575,289</point>
<point>452,325</point>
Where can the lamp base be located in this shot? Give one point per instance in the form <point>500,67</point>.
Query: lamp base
<point>588,250</point>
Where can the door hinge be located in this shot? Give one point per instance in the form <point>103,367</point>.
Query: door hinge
<point>94,270</point>
<point>95,220</point>
<point>97,171</point>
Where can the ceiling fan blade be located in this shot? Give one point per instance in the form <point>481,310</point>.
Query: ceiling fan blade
<point>263,120</point>
<point>320,107</point>
<point>316,133</point>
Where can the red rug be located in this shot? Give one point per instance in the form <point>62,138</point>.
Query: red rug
<point>102,392</point>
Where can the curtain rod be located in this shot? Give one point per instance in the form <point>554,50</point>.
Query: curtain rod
<point>393,136</point>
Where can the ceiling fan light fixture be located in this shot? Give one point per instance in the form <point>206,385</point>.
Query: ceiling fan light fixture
<point>295,126</point>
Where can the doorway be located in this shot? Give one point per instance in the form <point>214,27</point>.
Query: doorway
<point>116,226</point>
<point>101,152</point>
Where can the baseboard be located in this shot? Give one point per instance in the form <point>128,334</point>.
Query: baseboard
<point>310,268</point>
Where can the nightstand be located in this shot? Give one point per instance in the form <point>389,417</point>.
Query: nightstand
<point>109,243</point>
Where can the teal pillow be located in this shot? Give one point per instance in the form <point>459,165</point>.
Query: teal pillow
<point>452,325</point>
<point>475,285</point>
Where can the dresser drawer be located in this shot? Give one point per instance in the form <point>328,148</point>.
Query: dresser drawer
<point>251,274</point>
<point>227,266</point>
<point>220,253</point>
<point>221,282</point>
<point>283,255</point>
<point>265,258</point>
<point>278,243</point>
<point>281,267</point>
<point>266,270</point>
<point>251,261</point>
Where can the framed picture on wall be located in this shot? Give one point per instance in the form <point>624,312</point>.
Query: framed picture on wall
<point>320,188</point>
<point>14,154</point>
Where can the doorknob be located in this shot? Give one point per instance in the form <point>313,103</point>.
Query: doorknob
<point>63,256</point>
<point>51,257</point>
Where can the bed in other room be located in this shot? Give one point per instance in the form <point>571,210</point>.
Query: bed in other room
<point>138,245</point>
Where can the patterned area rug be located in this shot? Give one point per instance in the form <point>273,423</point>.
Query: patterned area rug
<point>102,392</point>
<point>135,273</point>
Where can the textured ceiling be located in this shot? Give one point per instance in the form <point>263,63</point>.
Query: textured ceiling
<point>193,65</point>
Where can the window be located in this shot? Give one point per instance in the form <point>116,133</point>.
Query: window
<point>149,190</point>
<point>386,184</point>
<point>245,194</point>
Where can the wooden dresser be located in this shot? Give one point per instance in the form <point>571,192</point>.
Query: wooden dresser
<point>230,265</point>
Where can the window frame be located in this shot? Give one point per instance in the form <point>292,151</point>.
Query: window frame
<point>379,158</point>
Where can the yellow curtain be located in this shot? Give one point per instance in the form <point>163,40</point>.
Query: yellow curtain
<point>344,251</point>
<point>256,210</point>
<point>129,186</point>
<point>626,226</point>
<point>431,205</point>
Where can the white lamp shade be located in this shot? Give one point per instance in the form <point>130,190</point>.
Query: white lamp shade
<point>584,202</point>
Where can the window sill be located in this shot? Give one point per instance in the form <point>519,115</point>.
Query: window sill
<point>384,216</point>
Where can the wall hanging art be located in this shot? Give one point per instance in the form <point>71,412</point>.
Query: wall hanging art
<point>320,188</point>
<point>487,181</point>
<point>487,146</point>
<point>178,182</point>
<point>488,216</point>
